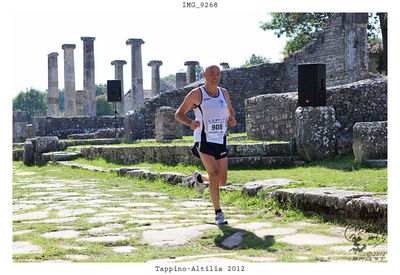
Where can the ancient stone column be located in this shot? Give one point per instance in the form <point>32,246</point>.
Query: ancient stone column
<point>224,65</point>
<point>191,71</point>
<point>155,76</point>
<point>180,80</point>
<point>52,92</point>
<point>80,101</point>
<point>69,81</point>
<point>119,75</point>
<point>89,104</point>
<point>137,74</point>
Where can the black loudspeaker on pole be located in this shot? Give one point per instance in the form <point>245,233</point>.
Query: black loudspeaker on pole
<point>114,90</point>
<point>114,94</point>
<point>311,85</point>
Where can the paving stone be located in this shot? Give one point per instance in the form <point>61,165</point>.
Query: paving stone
<point>61,234</point>
<point>275,231</point>
<point>73,247</point>
<point>106,238</point>
<point>25,247</point>
<point>160,226</point>
<point>78,257</point>
<point>252,188</point>
<point>30,216</point>
<point>101,219</point>
<point>253,225</point>
<point>17,207</point>
<point>233,241</point>
<point>174,236</point>
<point>152,216</point>
<point>151,194</point>
<point>22,232</point>
<point>311,239</point>
<point>43,185</point>
<point>75,212</point>
<point>124,249</point>
<point>193,204</point>
<point>61,220</point>
<point>25,173</point>
<point>107,227</point>
<point>140,204</point>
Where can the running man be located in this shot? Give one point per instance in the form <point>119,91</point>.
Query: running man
<point>213,111</point>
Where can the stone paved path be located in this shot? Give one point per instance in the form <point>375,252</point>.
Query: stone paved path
<point>62,215</point>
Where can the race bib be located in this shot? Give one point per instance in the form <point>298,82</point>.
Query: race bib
<point>216,127</point>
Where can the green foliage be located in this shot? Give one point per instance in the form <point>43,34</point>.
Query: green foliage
<point>199,72</point>
<point>301,28</point>
<point>171,78</point>
<point>103,107</point>
<point>256,59</point>
<point>101,89</point>
<point>30,101</point>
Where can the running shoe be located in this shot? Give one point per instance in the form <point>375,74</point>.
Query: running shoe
<point>198,186</point>
<point>220,218</point>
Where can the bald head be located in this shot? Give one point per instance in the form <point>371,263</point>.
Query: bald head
<point>212,67</point>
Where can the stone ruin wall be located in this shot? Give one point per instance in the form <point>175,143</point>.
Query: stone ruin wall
<point>242,83</point>
<point>63,127</point>
<point>342,46</point>
<point>271,117</point>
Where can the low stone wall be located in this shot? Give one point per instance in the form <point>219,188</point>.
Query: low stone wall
<point>174,154</point>
<point>370,141</point>
<point>344,205</point>
<point>271,116</point>
<point>362,101</point>
<point>63,127</point>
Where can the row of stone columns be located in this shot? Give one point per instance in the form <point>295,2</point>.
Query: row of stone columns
<point>83,103</point>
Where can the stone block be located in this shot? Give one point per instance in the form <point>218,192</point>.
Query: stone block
<point>167,128</point>
<point>370,141</point>
<point>46,144</point>
<point>134,126</point>
<point>252,188</point>
<point>29,150</point>
<point>20,131</point>
<point>315,132</point>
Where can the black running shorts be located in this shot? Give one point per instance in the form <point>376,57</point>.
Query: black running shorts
<point>218,151</point>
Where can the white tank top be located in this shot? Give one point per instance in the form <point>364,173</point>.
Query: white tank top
<point>212,116</point>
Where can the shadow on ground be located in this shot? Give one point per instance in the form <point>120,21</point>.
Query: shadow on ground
<point>242,240</point>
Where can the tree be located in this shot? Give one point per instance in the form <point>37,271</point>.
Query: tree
<point>30,101</point>
<point>383,23</point>
<point>302,29</point>
<point>199,72</point>
<point>103,107</point>
<point>256,59</point>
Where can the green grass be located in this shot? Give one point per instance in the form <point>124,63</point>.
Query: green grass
<point>338,172</point>
<point>208,243</point>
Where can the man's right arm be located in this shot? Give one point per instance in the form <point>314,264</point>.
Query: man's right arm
<point>191,99</point>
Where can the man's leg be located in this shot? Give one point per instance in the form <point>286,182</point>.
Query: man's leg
<point>212,168</point>
<point>223,171</point>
